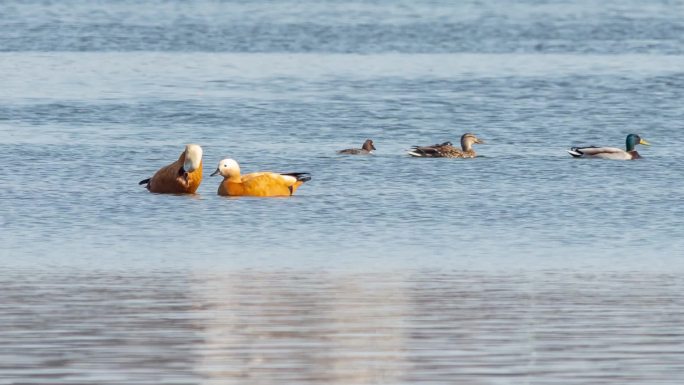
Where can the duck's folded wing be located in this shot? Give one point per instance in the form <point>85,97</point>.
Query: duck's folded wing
<point>170,178</point>
<point>599,152</point>
<point>426,151</point>
<point>593,150</point>
<point>299,176</point>
<point>350,151</point>
<point>268,183</point>
<point>254,175</point>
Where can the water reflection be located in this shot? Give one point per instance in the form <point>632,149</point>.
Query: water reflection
<point>303,328</point>
<point>341,328</point>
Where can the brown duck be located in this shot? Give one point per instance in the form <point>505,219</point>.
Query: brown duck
<point>367,148</point>
<point>447,150</point>
<point>180,177</point>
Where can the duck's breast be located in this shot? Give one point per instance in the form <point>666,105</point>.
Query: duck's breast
<point>227,188</point>
<point>194,180</point>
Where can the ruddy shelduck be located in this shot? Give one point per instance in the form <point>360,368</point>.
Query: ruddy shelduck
<point>447,150</point>
<point>180,177</point>
<point>258,184</point>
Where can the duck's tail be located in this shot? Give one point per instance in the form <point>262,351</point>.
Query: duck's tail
<point>575,152</point>
<point>145,182</point>
<point>300,176</point>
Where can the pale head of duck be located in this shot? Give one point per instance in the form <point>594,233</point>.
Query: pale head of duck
<point>368,145</point>
<point>467,141</point>
<point>193,157</point>
<point>228,168</point>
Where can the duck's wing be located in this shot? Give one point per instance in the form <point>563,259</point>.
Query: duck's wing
<point>351,151</point>
<point>273,184</point>
<point>168,179</point>
<point>299,176</point>
<point>599,152</point>
<point>424,151</point>
<point>434,151</point>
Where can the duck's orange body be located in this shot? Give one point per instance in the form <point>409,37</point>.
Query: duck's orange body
<point>260,184</point>
<point>174,179</point>
<point>257,184</point>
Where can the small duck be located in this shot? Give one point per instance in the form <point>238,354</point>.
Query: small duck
<point>180,177</point>
<point>367,148</point>
<point>447,150</point>
<point>258,184</point>
<point>611,152</point>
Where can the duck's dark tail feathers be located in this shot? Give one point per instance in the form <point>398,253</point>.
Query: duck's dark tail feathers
<point>300,176</point>
<point>145,181</point>
<point>423,152</point>
<point>575,152</point>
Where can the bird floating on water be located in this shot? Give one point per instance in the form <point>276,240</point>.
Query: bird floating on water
<point>447,150</point>
<point>180,177</point>
<point>366,148</point>
<point>259,184</point>
<point>611,152</point>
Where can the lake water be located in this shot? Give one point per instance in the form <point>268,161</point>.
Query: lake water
<point>522,266</point>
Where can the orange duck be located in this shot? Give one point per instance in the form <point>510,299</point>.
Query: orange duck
<point>258,184</point>
<point>180,177</point>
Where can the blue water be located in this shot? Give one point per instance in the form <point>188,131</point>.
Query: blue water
<point>520,266</point>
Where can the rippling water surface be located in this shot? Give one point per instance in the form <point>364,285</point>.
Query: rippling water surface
<point>397,327</point>
<point>520,266</point>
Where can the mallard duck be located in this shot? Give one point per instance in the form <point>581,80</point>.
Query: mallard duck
<point>447,150</point>
<point>260,184</point>
<point>367,148</point>
<point>180,177</point>
<point>611,152</point>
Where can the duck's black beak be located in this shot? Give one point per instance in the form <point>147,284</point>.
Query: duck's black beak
<point>215,172</point>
